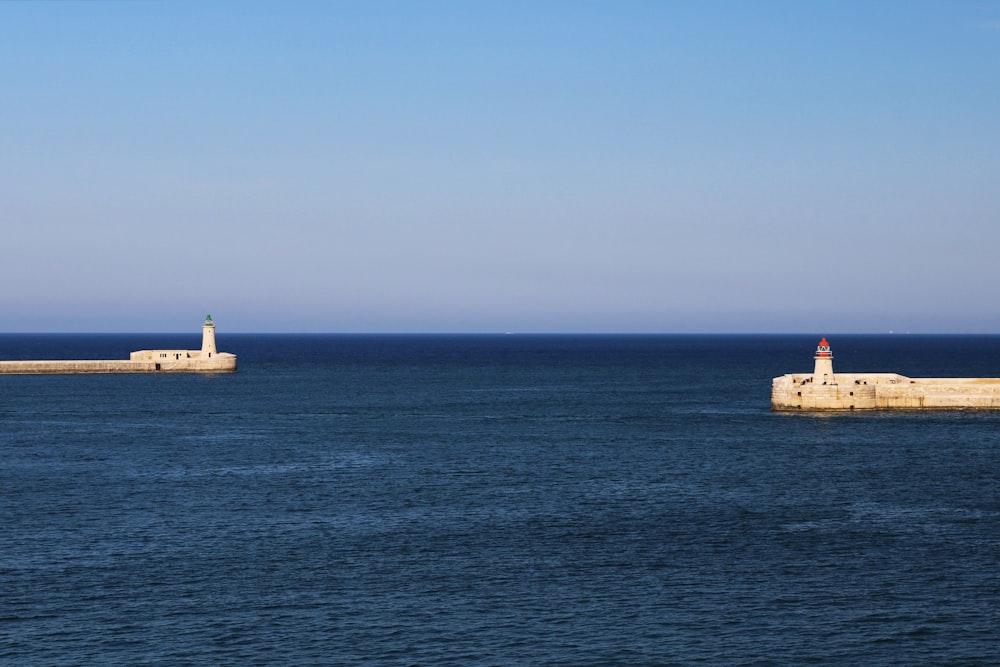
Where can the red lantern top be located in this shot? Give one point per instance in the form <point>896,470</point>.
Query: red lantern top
<point>823,350</point>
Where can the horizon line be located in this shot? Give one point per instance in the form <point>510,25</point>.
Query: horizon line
<point>506,333</point>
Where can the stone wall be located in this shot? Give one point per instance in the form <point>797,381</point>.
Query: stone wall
<point>942,394</point>
<point>867,391</point>
<point>205,360</point>
<point>220,363</point>
<point>71,367</point>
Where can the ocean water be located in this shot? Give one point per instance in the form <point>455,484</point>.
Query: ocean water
<point>494,500</point>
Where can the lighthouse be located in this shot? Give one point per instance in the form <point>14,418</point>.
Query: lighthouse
<point>208,339</point>
<point>823,372</point>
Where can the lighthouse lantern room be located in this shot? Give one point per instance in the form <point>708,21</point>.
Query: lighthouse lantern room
<point>823,372</point>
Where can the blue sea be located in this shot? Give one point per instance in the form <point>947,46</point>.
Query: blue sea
<point>494,500</point>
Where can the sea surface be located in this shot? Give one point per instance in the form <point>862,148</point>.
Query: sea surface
<point>494,500</point>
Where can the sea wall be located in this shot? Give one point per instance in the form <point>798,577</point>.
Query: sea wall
<point>186,361</point>
<point>872,391</point>
<point>205,360</point>
<point>74,366</point>
<point>221,363</point>
<point>941,394</point>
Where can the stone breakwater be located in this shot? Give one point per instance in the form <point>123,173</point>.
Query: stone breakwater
<point>873,391</point>
<point>222,363</point>
<point>825,390</point>
<point>206,360</point>
<point>71,367</point>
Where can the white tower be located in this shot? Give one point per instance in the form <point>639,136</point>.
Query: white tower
<point>823,373</point>
<point>208,338</point>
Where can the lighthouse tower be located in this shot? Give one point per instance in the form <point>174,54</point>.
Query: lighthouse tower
<point>208,339</point>
<point>823,372</point>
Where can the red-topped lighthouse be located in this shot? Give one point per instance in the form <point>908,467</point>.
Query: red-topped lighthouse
<point>823,373</point>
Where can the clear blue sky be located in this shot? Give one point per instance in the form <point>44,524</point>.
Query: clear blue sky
<point>537,166</point>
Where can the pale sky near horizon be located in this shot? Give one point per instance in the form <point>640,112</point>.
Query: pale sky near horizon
<point>525,166</point>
